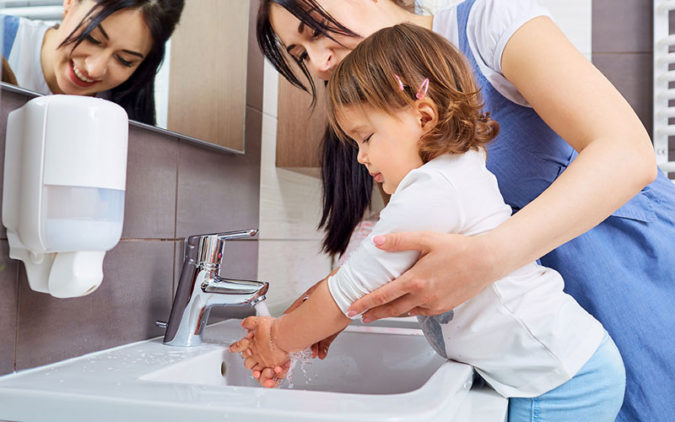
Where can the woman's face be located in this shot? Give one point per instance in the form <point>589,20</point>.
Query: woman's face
<point>106,58</point>
<point>320,53</point>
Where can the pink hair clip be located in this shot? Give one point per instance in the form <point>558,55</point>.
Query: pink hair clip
<point>400,83</point>
<point>424,87</point>
<point>421,92</point>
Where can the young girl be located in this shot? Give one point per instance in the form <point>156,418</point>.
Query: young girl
<point>109,48</point>
<point>415,114</point>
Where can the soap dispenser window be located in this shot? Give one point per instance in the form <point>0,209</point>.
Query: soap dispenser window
<point>81,218</point>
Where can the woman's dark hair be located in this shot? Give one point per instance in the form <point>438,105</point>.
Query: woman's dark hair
<point>274,50</point>
<point>137,94</point>
<point>314,17</point>
<point>347,189</point>
<point>347,185</point>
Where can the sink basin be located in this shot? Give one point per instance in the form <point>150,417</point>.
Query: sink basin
<point>362,360</point>
<point>371,374</point>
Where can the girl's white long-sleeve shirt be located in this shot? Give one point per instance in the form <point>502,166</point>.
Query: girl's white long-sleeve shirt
<point>522,333</point>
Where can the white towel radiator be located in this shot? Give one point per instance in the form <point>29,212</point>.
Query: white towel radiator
<point>664,84</point>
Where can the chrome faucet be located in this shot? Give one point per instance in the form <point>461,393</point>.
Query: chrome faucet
<point>201,288</point>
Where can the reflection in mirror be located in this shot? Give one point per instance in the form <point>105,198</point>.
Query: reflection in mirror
<point>98,47</point>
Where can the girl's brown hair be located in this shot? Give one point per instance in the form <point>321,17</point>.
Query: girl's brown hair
<point>367,76</point>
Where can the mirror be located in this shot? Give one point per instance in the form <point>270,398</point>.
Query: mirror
<point>200,89</point>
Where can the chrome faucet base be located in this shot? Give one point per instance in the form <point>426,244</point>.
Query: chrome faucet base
<point>201,288</point>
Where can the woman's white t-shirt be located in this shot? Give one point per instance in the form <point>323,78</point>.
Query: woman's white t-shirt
<point>24,55</point>
<point>490,25</point>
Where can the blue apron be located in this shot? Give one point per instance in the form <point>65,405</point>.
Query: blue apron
<point>622,271</point>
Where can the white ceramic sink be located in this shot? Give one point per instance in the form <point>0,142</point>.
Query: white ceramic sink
<point>363,360</point>
<point>371,374</point>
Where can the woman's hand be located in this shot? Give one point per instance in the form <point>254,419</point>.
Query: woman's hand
<point>451,269</point>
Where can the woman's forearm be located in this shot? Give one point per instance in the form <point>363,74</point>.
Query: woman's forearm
<point>604,176</point>
<point>317,318</point>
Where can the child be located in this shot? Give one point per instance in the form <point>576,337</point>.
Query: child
<point>416,117</point>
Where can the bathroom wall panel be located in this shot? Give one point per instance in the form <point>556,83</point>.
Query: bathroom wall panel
<point>8,287</point>
<point>631,74</point>
<point>215,190</point>
<point>290,266</point>
<point>136,291</point>
<point>150,203</point>
<point>290,202</point>
<point>622,26</point>
<point>622,50</point>
<point>254,85</point>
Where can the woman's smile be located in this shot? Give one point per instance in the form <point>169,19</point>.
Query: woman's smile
<point>78,76</point>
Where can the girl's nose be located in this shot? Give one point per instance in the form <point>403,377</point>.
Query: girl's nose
<point>362,157</point>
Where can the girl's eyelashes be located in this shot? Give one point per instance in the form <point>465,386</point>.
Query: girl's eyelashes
<point>366,139</point>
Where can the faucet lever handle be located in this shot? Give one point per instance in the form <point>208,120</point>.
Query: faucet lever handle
<point>207,249</point>
<point>241,234</point>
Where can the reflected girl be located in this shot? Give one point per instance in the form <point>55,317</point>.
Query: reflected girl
<point>107,48</point>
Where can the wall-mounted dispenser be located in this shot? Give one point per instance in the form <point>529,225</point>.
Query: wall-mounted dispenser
<point>63,194</point>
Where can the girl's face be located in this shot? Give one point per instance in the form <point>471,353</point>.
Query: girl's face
<point>320,53</point>
<point>388,144</point>
<point>105,59</point>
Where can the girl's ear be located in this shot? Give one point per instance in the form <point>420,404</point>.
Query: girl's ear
<point>428,114</point>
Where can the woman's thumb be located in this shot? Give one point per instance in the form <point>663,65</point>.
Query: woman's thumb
<point>406,241</point>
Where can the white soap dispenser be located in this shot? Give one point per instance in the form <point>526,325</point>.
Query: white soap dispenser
<point>63,194</point>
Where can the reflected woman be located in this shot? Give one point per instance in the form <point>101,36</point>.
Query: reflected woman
<point>108,48</point>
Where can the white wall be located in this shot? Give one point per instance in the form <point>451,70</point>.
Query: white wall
<point>290,203</point>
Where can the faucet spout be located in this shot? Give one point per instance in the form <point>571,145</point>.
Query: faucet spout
<point>201,288</point>
<point>234,292</point>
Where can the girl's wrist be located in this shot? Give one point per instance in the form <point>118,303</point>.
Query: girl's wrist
<point>274,337</point>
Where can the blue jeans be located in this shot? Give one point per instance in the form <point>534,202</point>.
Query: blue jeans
<point>595,394</point>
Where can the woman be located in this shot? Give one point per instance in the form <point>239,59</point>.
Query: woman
<point>108,48</point>
<point>572,160</point>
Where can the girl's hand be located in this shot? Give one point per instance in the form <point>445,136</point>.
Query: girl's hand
<point>267,377</point>
<point>451,269</point>
<point>262,351</point>
<point>270,378</point>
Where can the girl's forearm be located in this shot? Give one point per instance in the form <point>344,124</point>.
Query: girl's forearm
<point>600,180</point>
<point>317,318</point>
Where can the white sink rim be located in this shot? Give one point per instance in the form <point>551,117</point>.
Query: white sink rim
<point>120,390</point>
